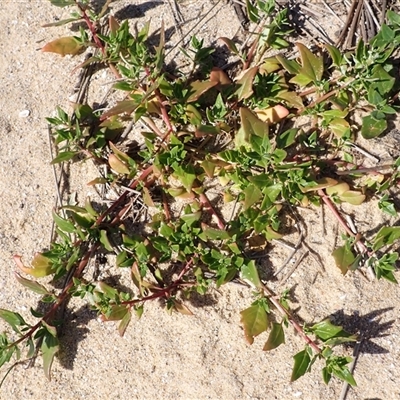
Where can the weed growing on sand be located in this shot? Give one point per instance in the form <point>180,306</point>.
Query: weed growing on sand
<point>233,130</point>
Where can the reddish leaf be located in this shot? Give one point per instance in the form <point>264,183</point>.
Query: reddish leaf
<point>63,46</point>
<point>117,165</point>
<point>245,83</point>
<point>218,75</point>
<point>197,88</point>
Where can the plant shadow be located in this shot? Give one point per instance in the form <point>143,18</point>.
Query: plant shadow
<point>368,327</point>
<point>73,331</point>
<point>136,10</point>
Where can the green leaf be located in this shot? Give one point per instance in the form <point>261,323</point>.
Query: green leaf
<point>124,323</point>
<point>393,18</point>
<point>386,236</point>
<point>345,375</point>
<point>322,183</point>
<point>5,355</point>
<point>344,258</point>
<point>160,49</point>
<point>301,79</point>
<point>191,218</point>
<point>63,224</point>
<point>252,194</point>
<point>312,66</point>
<point>213,234</point>
<point>336,54</point>
<point>186,174</point>
<point>207,130</point>
<point>105,241</point>
<point>286,138</point>
<point>62,3</point>
<point>337,365</point>
<point>326,375</point>
<point>352,197</point>
<point>292,99</point>
<point>291,66</point>
<point>12,318</point>
<point>252,12</point>
<point>32,285</point>
<point>245,83</point>
<point>231,45</point>
<point>382,81</point>
<point>275,338</point>
<point>326,330</point>
<point>340,127</point>
<point>372,126</point>
<point>64,156</point>
<point>384,37</point>
<point>50,347</point>
<point>117,165</point>
<point>254,320</point>
<point>117,313</point>
<point>302,363</point>
<point>385,266</point>
<point>249,274</point>
<point>251,126</point>
<point>61,22</point>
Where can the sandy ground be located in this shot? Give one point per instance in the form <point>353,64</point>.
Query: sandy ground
<point>165,357</point>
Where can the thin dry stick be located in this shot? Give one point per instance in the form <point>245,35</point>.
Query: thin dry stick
<point>291,255</point>
<point>352,21</point>
<point>213,10</point>
<point>363,152</point>
<point>295,265</point>
<point>356,353</point>
<point>315,24</point>
<point>366,170</point>
<point>177,16</point>
<point>331,11</point>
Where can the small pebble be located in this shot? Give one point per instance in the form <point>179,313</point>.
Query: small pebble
<point>24,113</point>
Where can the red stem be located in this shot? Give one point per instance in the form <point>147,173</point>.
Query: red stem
<point>341,221</point>
<point>118,202</point>
<point>295,325</point>
<point>204,200</point>
<point>61,298</point>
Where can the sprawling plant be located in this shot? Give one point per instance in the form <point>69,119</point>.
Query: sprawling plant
<point>208,130</point>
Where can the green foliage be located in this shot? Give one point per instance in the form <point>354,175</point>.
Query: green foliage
<point>261,167</point>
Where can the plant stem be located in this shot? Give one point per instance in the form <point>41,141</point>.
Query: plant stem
<point>92,28</point>
<point>285,313</point>
<point>120,200</point>
<point>363,248</point>
<point>208,206</point>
